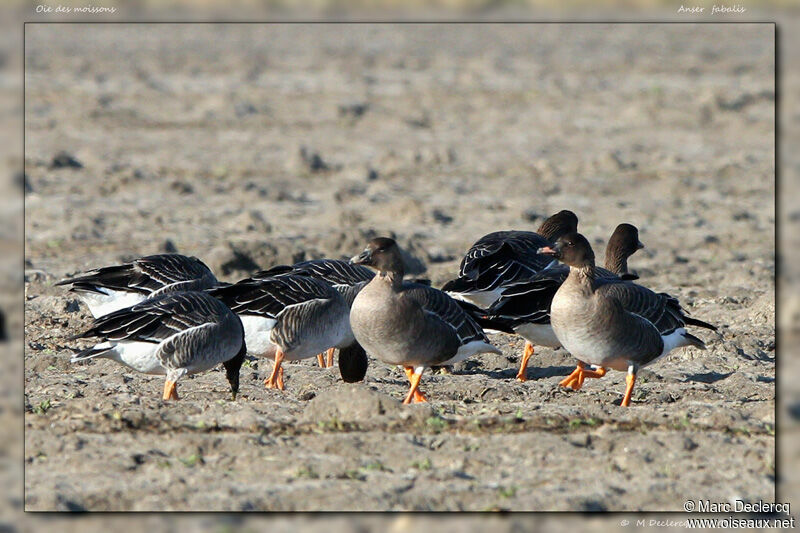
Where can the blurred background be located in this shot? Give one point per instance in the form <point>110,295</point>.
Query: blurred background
<point>788,215</point>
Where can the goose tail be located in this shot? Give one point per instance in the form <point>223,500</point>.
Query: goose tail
<point>99,350</point>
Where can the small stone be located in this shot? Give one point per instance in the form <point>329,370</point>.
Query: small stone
<point>65,160</point>
<point>354,110</point>
<point>531,215</point>
<point>243,109</point>
<point>441,217</point>
<point>181,187</point>
<point>168,247</point>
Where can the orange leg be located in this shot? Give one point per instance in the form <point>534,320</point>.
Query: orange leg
<point>630,379</point>
<point>523,367</point>
<point>418,396</point>
<point>320,360</point>
<point>575,380</point>
<point>170,390</point>
<point>414,386</point>
<point>275,379</point>
<point>279,380</point>
<point>330,358</point>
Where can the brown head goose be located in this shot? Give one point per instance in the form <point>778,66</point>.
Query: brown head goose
<point>624,242</point>
<point>525,306</point>
<point>111,288</point>
<point>343,276</point>
<point>612,323</point>
<point>506,257</point>
<point>294,317</point>
<point>410,324</point>
<point>175,334</point>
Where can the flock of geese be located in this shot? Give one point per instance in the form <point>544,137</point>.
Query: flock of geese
<point>168,314</point>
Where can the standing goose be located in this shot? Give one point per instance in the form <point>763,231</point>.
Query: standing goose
<point>506,257</point>
<point>111,288</point>
<point>343,276</point>
<point>177,333</point>
<point>612,323</point>
<point>294,317</point>
<point>525,306</point>
<point>410,324</point>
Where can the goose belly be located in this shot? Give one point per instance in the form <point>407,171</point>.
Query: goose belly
<point>311,337</point>
<point>391,345</point>
<point>538,334</point>
<point>589,347</point>
<point>109,301</point>
<point>257,335</point>
<point>398,343</point>
<point>140,356</point>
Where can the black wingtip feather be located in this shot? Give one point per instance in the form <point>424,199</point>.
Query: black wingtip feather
<point>696,342</point>
<point>481,317</point>
<point>699,323</point>
<point>455,285</point>
<point>88,354</point>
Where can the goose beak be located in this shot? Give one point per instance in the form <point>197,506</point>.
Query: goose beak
<point>639,245</point>
<point>547,250</point>
<point>364,258</point>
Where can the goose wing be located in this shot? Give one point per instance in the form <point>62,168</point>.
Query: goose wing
<point>333,271</point>
<point>146,275</point>
<point>502,257</point>
<point>529,302</point>
<point>660,309</point>
<point>442,306</point>
<point>270,296</point>
<point>157,319</point>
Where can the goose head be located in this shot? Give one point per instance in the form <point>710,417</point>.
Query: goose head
<point>624,242</point>
<point>561,223</point>
<point>571,249</point>
<point>382,254</point>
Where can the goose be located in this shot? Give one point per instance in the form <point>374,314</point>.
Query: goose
<point>293,317</point>
<point>612,323</point>
<point>506,257</point>
<point>624,242</point>
<point>173,334</point>
<point>410,324</point>
<point>108,289</point>
<point>525,306</point>
<point>345,277</point>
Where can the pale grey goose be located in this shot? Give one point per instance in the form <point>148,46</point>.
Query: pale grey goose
<point>525,306</point>
<point>294,317</point>
<point>111,288</point>
<point>502,258</point>
<point>343,276</point>
<point>410,324</point>
<point>612,323</point>
<point>174,334</point>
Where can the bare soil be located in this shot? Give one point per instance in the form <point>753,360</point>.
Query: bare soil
<point>249,146</point>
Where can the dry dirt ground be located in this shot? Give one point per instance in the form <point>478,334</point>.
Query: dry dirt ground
<point>249,146</point>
